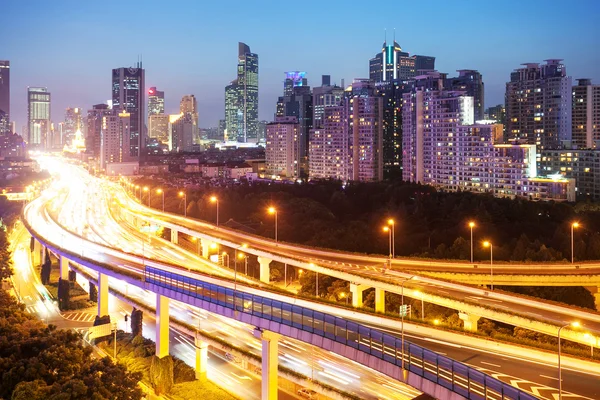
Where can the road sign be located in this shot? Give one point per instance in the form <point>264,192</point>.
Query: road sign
<point>100,330</point>
<point>404,310</point>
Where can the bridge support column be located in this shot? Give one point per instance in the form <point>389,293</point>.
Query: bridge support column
<point>379,300</point>
<point>36,254</point>
<point>43,255</point>
<point>201,358</point>
<point>269,363</point>
<point>64,267</point>
<point>162,326</point>
<point>470,321</point>
<point>265,270</point>
<point>174,236</point>
<point>597,298</point>
<point>205,244</point>
<point>102,294</point>
<point>357,294</point>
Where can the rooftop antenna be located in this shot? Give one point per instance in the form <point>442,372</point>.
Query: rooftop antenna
<point>385,35</point>
<point>394,35</point>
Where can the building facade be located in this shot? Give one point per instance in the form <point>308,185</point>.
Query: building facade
<point>158,127</point>
<point>325,96</point>
<point>282,148</point>
<point>95,118</point>
<point>393,63</point>
<point>38,117</point>
<point>183,133</point>
<point>538,104</point>
<point>114,138</point>
<point>5,98</point>
<point>189,105</point>
<point>583,165</point>
<point>241,98</point>
<point>471,82</point>
<point>586,114</point>
<point>328,150</point>
<point>156,101</point>
<point>72,123</point>
<point>128,95</point>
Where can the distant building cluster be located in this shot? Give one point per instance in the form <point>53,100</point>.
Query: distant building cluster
<point>406,120</point>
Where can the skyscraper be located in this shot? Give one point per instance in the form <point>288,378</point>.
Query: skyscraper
<point>538,104</point>
<point>189,105</point>
<point>115,137</point>
<point>471,82</point>
<point>328,147</point>
<point>393,63</point>
<point>183,133</point>
<point>71,126</point>
<point>282,148</point>
<point>156,101</point>
<point>158,127</point>
<point>241,98</point>
<point>4,97</point>
<point>586,114</point>
<point>38,117</point>
<point>293,79</point>
<point>325,96</point>
<point>128,96</point>
<point>95,118</point>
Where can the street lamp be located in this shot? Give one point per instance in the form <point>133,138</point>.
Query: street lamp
<point>420,294</point>
<point>574,325</point>
<point>184,195</point>
<point>489,244</point>
<point>592,341</point>
<point>343,296</point>
<point>160,191</point>
<point>149,193</point>
<point>393,225</point>
<point>389,231</point>
<point>214,199</point>
<point>138,189</point>
<point>573,226</point>
<point>273,210</point>
<point>471,225</point>
<point>402,315</point>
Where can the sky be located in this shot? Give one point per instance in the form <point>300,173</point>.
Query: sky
<point>190,47</point>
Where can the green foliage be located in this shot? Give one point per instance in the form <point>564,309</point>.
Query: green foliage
<point>136,322</point>
<point>161,374</point>
<point>6,269</point>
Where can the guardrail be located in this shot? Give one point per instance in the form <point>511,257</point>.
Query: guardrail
<point>453,375</point>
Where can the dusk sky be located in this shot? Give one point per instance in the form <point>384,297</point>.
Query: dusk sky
<point>190,47</point>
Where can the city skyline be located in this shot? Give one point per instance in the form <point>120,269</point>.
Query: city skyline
<point>79,77</point>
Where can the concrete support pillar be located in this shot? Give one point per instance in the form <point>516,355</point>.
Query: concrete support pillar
<point>379,300</point>
<point>201,358</point>
<point>36,254</point>
<point>205,244</point>
<point>64,267</point>
<point>162,326</point>
<point>102,294</point>
<point>470,321</point>
<point>269,363</point>
<point>357,294</point>
<point>42,254</point>
<point>174,236</point>
<point>265,270</point>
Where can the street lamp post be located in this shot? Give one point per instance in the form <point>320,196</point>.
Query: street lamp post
<point>214,199</point>
<point>273,210</point>
<point>471,225</point>
<point>402,316</point>
<point>149,193</point>
<point>489,244</point>
<point>389,231</point>
<point>573,225</point>
<point>160,191</point>
<point>184,195</point>
<point>392,223</point>
<point>574,325</point>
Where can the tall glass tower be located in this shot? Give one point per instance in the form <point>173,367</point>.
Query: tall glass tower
<point>4,97</point>
<point>128,96</point>
<point>38,116</point>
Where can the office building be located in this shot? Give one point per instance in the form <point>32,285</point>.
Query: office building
<point>156,101</point>
<point>262,131</point>
<point>293,79</point>
<point>586,114</point>
<point>38,117</point>
<point>95,118</point>
<point>496,113</point>
<point>71,125</point>
<point>538,104</point>
<point>221,129</point>
<point>349,145</point>
<point>189,105</point>
<point>325,96</point>
<point>582,165</point>
<point>393,63</point>
<point>241,98</point>
<point>282,148</point>
<point>115,138</point>
<point>5,97</point>
<point>445,149</point>
<point>128,96</point>
<point>158,127</point>
<point>12,145</point>
<point>471,82</point>
<point>183,133</point>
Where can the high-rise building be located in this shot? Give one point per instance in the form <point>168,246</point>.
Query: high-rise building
<point>262,131</point>
<point>95,118</point>
<point>444,148</point>
<point>38,117</point>
<point>114,138</point>
<point>158,127</point>
<point>241,98</point>
<point>183,133</point>
<point>128,96</point>
<point>538,104</point>
<point>156,101</point>
<point>325,96</point>
<point>4,97</point>
<point>349,144</point>
<point>282,148</point>
<point>71,125</point>
<point>293,79</point>
<point>586,114</point>
<point>496,113</point>
<point>471,82</point>
<point>189,105</point>
<point>221,130</point>
<point>393,63</point>
<point>424,64</point>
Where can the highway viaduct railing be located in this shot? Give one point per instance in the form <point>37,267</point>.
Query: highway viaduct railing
<point>374,348</point>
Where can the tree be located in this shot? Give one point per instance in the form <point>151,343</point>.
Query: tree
<point>64,296</point>
<point>93,292</point>
<point>161,374</point>
<point>136,322</point>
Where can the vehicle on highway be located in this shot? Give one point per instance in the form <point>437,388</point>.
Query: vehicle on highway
<point>307,393</point>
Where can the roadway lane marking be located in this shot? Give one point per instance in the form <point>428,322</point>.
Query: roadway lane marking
<point>493,365</point>
<point>549,377</point>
